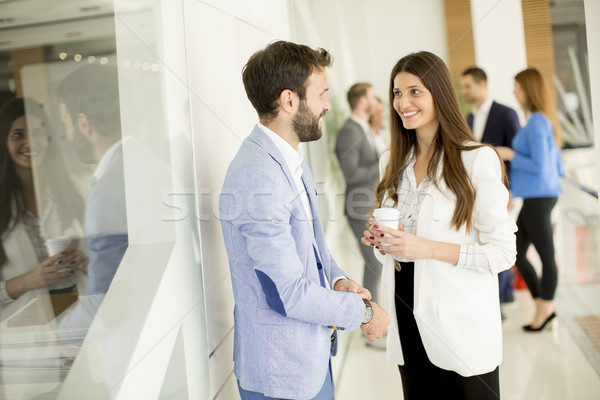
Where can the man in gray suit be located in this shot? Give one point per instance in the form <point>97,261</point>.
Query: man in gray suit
<point>356,151</point>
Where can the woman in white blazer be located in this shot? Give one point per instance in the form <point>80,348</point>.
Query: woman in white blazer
<point>441,264</point>
<point>26,271</point>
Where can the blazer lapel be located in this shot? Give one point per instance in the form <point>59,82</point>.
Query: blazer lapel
<point>261,139</point>
<point>489,136</point>
<point>319,236</point>
<point>470,121</point>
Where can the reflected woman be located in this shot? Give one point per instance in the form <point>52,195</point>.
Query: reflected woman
<point>26,271</point>
<point>441,264</point>
<point>536,168</point>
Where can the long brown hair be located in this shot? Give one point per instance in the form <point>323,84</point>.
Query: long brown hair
<point>453,137</point>
<point>11,189</point>
<point>537,99</point>
<point>52,174</point>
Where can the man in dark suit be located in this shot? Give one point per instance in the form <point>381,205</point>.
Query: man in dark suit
<point>357,153</point>
<point>491,123</point>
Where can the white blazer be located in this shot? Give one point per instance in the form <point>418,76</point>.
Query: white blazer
<point>21,258</point>
<point>458,310</point>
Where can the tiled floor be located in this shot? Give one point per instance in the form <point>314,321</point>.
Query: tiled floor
<point>537,366</point>
<point>558,364</point>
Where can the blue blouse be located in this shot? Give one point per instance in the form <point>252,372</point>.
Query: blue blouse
<point>537,164</point>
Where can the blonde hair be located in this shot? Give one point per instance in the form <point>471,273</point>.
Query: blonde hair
<point>537,99</point>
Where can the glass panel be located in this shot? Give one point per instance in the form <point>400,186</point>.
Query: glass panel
<point>97,134</point>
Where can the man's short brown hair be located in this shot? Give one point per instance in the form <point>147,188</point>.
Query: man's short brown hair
<point>279,66</point>
<point>355,92</point>
<point>477,73</point>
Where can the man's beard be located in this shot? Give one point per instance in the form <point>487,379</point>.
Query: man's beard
<point>469,100</point>
<point>306,124</point>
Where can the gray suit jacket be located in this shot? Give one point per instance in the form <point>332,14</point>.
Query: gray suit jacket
<point>360,165</point>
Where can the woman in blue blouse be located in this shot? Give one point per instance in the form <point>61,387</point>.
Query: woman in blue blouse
<point>536,168</point>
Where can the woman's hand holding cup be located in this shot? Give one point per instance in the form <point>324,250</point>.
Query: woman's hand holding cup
<point>382,217</point>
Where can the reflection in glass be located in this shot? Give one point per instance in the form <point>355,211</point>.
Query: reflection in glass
<point>34,286</point>
<point>49,301</point>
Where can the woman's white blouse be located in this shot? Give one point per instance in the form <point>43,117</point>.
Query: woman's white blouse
<point>410,198</point>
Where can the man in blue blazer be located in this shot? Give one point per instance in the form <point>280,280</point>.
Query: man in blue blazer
<point>290,296</point>
<point>492,123</point>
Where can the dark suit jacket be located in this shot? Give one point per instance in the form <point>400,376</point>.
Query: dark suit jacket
<point>501,126</point>
<point>360,165</point>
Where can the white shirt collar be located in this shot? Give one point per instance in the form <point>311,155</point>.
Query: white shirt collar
<point>293,158</point>
<point>363,124</point>
<point>485,106</point>
<point>102,166</point>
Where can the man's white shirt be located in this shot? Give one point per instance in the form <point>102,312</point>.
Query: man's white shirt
<point>293,159</point>
<point>480,116</point>
<point>366,129</point>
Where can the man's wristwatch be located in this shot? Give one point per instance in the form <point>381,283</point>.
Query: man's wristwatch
<point>368,312</point>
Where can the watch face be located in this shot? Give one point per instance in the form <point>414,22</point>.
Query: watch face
<point>368,315</point>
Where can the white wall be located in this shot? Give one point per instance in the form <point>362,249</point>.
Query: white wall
<point>592,23</point>
<point>499,45</point>
<point>367,37</point>
<point>220,37</point>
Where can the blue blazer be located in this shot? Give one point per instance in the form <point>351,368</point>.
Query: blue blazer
<point>283,310</point>
<point>500,128</point>
<point>106,226</point>
<point>537,165</point>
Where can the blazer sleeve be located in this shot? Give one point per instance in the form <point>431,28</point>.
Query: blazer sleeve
<point>512,126</point>
<point>348,149</point>
<point>494,227</point>
<point>531,154</point>
<point>263,219</point>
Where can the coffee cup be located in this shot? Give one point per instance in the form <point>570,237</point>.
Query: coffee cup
<point>387,216</point>
<point>56,245</point>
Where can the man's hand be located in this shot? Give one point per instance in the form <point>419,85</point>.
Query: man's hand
<point>378,326</point>
<point>348,285</point>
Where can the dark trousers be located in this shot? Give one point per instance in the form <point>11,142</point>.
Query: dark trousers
<point>505,285</point>
<point>535,228</point>
<point>420,378</point>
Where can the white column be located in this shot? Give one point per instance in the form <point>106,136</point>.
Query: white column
<point>499,45</point>
<point>592,23</point>
<point>220,37</point>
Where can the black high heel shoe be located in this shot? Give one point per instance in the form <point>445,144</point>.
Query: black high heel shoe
<point>529,328</point>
